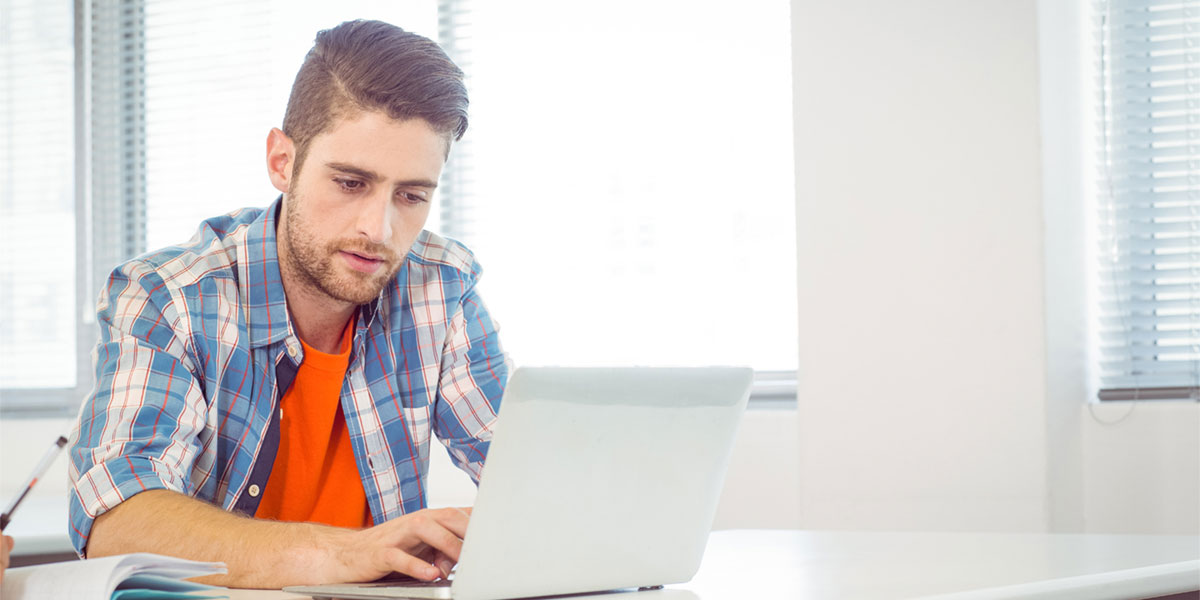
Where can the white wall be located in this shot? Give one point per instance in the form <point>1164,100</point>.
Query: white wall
<point>920,260</point>
<point>40,524</point>
<point>762,487</point>
<point>941,380</point>
<point>1141,468</point>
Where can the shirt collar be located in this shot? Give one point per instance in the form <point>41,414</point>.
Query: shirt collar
<point>261,284</point>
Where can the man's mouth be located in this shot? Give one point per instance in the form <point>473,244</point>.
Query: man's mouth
<point>364,263</point>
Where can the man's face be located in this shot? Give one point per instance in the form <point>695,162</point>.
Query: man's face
<point>358,203</point>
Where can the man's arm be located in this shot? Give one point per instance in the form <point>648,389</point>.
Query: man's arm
<point>474,374</point>
<point>272,554</point>
<point>132,466</point>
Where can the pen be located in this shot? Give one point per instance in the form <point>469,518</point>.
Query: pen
<point>51,454</point>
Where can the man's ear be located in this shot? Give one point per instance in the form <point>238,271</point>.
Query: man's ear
<point>281,153</point>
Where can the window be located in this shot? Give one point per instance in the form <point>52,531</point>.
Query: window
<point>626,179</point>
<point>38,346</point>
<point>1148,284</point>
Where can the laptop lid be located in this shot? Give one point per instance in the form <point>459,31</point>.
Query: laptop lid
<point>600,479</point>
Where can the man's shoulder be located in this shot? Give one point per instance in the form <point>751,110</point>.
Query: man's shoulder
<point>433,250</point>
<point>212,251</point>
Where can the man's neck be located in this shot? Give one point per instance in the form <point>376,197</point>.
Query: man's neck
<point>319,324</point>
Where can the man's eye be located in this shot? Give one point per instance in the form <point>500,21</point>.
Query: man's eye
<point>350,185</point>
<point>411,198</point>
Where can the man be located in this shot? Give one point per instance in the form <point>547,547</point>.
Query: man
<point>267,391</point>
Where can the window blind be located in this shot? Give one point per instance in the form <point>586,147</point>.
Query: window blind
<point>37,200</point>
<point>117,122</point>
<point>1149,200</point>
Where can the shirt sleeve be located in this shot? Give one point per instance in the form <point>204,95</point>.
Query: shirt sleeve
<point>136,429</point>
<point>473,375</point>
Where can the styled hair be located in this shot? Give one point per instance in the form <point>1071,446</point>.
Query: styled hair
<point>374,66</point>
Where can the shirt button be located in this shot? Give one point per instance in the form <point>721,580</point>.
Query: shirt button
<point>254,490</point>
<point>292,351</point>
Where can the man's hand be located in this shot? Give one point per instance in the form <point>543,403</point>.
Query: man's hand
<point>6,546</point>
<point>425,545</point>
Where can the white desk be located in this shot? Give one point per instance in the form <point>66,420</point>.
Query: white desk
<point>959,566</point>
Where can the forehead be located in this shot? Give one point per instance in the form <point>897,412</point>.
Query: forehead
<point>393,148</point>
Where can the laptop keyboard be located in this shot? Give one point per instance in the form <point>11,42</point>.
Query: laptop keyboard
<point>414,583</point>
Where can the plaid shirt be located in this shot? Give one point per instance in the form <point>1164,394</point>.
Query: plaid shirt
<point>197,349</point>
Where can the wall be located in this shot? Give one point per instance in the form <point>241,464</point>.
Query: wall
<point>1141,468</point>
<point>40,524</point>
<point>919,234</point>
<point>942,322</point>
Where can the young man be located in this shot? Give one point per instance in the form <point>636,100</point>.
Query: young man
<point>266,392</point>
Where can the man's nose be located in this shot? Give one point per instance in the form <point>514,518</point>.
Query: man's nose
<point>374,218</point>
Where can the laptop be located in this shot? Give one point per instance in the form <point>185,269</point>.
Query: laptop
<point>597,479</point>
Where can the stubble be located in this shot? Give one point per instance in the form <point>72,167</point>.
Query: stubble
<point>316,263</point>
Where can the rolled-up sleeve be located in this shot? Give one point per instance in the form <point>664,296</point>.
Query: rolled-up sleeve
<point>473,375</point>
<point>137,429</point>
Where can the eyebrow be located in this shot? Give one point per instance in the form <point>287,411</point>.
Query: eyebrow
<point>372,176</point>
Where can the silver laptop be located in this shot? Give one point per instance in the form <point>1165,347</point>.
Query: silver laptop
<point>597,479</point>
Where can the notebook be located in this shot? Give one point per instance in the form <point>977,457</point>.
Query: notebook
<point>122,577</point>
<point>597,479</point>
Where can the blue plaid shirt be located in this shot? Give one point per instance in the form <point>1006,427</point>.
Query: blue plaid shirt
<point>197,349</point>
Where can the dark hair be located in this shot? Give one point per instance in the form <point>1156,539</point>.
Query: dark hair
<point>376,66</point>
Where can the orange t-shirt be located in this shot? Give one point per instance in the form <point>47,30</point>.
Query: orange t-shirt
<point>314,478</point>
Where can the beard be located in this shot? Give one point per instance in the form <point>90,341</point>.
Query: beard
<point>321,268</point>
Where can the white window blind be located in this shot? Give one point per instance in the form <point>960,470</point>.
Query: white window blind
<point>627,179</point>
<point>1149,204</point>
<point>37,199</point>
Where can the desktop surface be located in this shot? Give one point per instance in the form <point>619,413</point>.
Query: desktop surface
<point>838,565</point>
